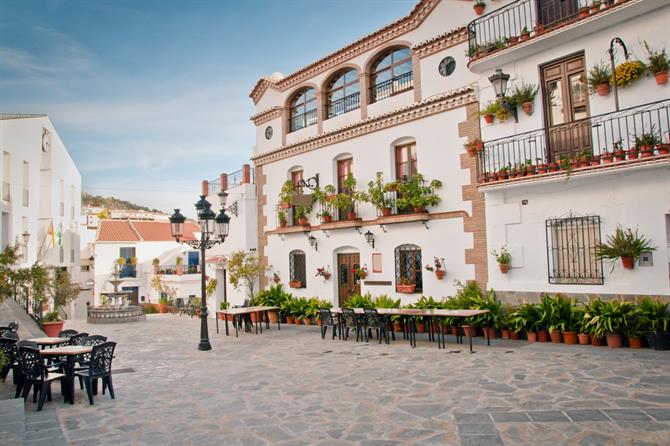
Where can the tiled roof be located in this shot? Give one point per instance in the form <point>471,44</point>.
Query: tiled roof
<point>6,116</point>
<point>137,231</point>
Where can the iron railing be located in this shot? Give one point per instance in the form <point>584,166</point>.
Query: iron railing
<point>343,105</point>
<point>302,120</point>
<point>391,87</point>
<point>32,307</point>
<point>171,270</point>
<point>328,213</point>
<point>602,139</point>
<point>128,271</point>
<point>234,180</point>
<point>572,250</point>
<point>520,20</point>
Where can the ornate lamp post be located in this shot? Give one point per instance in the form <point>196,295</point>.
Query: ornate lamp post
<point>213,230</point>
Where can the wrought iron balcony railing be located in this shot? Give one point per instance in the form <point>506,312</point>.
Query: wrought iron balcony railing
<point>343,105</point>
<point>627,135</point>
<point>391,87</point>
<point>524,19</point>
<point>303,120</point>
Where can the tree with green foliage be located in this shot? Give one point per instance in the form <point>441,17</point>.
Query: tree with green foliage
<point>244,268</point>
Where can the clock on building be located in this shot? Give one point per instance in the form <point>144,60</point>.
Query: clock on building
<point>268,132</point>
<point>46,141</point>
<point>447,66</point>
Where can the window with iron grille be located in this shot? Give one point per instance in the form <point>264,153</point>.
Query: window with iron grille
<point>408,265</point>
<point>571,250</point>
<point>297,267</point>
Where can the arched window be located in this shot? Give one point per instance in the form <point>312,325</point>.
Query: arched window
<point>391,74</point>
<point>343,93</point>
<point>302,110</point>
<point>408,265</point>
<point>297,267</point>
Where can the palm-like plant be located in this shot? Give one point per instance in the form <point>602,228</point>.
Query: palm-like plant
<point>624,244</point>
<point>526,317</point>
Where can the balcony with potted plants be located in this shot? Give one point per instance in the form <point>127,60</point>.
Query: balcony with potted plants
<point>526,27</point>
<point>339,209</point>
<point>403,201</point>
<point>633,138</point>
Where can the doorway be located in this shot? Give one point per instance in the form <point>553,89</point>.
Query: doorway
<point>553,12</point>
<point>133,297</point>
<point>566,110</point>
<point>348,283</point>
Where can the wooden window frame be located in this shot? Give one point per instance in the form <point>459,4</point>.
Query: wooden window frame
<point>374,72</point>
<point>412,161</point>
<point>331,91</point>
<point>294,104</point>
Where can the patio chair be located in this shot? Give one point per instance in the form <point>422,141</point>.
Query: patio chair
<point>13,326</point>
<point>8,349</point>
<point>10,335</point>
<point>78,339</point>
<point>375,321</point>
<point>84,360</point>
<point>351,320</point>
<point>19,372</point>
<point>3,330</point>
<point>100,367</point>
<point>67,333</point>
<point>326,320</point>
<point>36,375</point>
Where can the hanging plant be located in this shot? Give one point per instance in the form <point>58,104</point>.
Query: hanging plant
<point>524,96</point>
<point>625,245</point>
<point>628,72</point>
<point>323,272</point>
<point>479,7</point>
<point>599,78</point>
<point>657,63</point>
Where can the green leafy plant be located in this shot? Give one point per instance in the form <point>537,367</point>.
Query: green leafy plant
<point>502,256</point>
<point>524,93</point>
<point>224,305</point>
<point>415,194</point>
<point>51,316</point>
<point>654,314</point>
<point>286,192</point>
<point>526,318</point>
<point>647,139</point>
<point>600,73</point>
<point>491,108</point>
<point>377,193</point>
<point>609,318</point>
<point>624,243</point>
<point>244,268</point>
<point>383,301</point>
<point>657,61</point>
<point>359,301</point>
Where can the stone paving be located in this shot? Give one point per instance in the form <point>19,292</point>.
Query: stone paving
<point>290,387</point>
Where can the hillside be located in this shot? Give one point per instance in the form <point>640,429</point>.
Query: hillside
<point>112,203</point>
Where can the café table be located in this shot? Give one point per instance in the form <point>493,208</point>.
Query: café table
<point>236,313</point>
<point>70,352</point>
<point>49,341</point>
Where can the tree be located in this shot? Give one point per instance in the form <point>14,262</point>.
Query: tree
<point>162,289</point>
<point>8,258</point>
<point>244,268</point>
<point>63,289</point>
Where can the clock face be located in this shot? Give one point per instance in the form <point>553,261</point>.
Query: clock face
<point>46,141</point>
<point>447,66</point>
<point>268,132</point>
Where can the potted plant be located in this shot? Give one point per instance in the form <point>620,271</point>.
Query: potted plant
<point>491,320</point>
<point>633,153</point>
<point>525,34</point>
<point>360,272</point>
<point>163,303</point>
<point>599,78</point>
<point>606,157</point>
<point>489,112</point>
<point>155,262</point>
<point>505,321</point>
<point>657,64</point>
<point>295,284</point>
<point>625,245</point>
<point>406,285</point>
<point>275,278</point>
<point>558,317</point>
<point>438,268</point>
<point>654,315</point>
<point>524,95</point>
<point>180,265</point>
<point>479,6</point>
<point>646,142</point>
<point>583,12</point>
<point>274,296</point>
<point>628,72</point>
<point>286,194</point>
<point>595,6</point>
<point>281,214</point>
<point>474,147</point>
<point>611,321</point>
<point>323,272</point>
<point>504,259</point>
<point>354,196</point>
<point>61,290</point>
<point>377,195</point>
<point>302,214</point>
<point>634,328</point>
<point>589,322</point>
<point>416,195</point>
<point>526,318</point>
<point>619,152</point>
<point>572,323</point>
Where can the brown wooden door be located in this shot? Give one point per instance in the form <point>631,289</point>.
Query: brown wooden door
<point>347,283</point>
<point>553,12</point>
<point>566,108</point>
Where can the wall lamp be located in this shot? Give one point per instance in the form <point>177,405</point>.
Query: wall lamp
<point>312,242</point>
<point>499,81</point>
<point>370,238</point>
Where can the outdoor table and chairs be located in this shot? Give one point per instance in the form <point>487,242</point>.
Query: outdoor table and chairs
<point>70,352</point>
<point>50,341</point>
<point>240,314</point>
<point>410,316</point>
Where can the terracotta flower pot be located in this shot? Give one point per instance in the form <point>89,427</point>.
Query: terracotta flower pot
<point>570,337</point>
<point>527,107</point>
<point>532,336</point>
<point>307,321</point>
<point>162,308</point>
<point>543,336</point>
<point>584,338</point>
<point>628,262</point>
<point>614,340</point>
<point>466,331</point>
<point>595,161</point>
<point>661,78</point>
<point>514,336</point>
<point>290,320</point>
<point>295,284</point>
<point>555,337</point>
<point>479,9</point>
<point>397,327</point>
<point>597,342</point>
<point>420,327</point>
<point>351,215</point>
<point>504,267</point>
<point>386,212</point>
<point>595,8</point>
<point>583,12</point>
<point>52,328</point>
<point>407,289</point>
<point>524,36</point>
<point>298,321</point>
<point>327,218</point>
<point>607,158</point>
<point>440,273</point>
<point>302,221</point>
<point>620,155</point>
<point>490,333</point>
<point>632,154</point>
<point>635,342</point>
<point>488,119</point>
<point>504,333</point>
<point>663,149</point>
<point>646,151</point>
<point>282,223</point>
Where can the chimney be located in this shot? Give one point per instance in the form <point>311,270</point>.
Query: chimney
<point>205,188</point>
<point>246,174</point>
<point>223,182</point>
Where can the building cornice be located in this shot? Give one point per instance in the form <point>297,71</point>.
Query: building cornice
<point>441,42</point>
<point>379,37</point>
<point>266,115</point>
<point>437,104</point>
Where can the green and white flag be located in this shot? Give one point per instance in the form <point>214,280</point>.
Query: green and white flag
<point>59,234</point>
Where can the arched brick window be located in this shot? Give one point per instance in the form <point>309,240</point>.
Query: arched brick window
<point>391,73</point>
<point>408,265</point>
<point>297,267</point>
<point>302,109</point>
<point>343,93</point>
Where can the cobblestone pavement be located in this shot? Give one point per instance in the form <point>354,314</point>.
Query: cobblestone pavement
<point>290,387</point>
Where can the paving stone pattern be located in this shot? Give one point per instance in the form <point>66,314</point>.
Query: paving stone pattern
<point>290,387</point>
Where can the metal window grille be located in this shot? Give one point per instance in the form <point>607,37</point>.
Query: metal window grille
<point>408,264</point>
<point>571,250</point>
<point>297,267</point>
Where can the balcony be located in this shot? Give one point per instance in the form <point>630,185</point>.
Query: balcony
<point>634,137</point>
<point>287,223</point>
<point>302,120</point>
<point>391,87</point>
<point>344,105</point>
<point>173,270</point>
<point>527,27</point>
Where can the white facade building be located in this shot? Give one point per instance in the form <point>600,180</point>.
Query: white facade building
<point>406,98</point>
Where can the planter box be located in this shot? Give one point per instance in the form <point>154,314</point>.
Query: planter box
<point>407,289</point>
<point>52,328</point>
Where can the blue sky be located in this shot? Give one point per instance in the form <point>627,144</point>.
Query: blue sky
<point>151,97</point>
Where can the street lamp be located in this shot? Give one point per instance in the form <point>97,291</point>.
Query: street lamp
<point>370,238</point>
<point>499,81</point>
<point>213,230</point>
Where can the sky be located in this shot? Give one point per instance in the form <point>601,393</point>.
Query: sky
<point>152,96</point>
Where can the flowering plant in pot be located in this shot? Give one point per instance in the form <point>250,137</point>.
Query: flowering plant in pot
<point>286,194</point>
<point>657,64</point>
<point>323,272</point>
<point>377,195</point>
<point>295,283</point>
<point>474,147</point>
<point>417,194</point>
<point>275,278</point>
<point>654,314</point>
<point>479,6</point>
<point>625,245</point>
<point>504,259</point>
<point>599,78</point>
<point>360,272</point>
<point>438,268</point>
<point>489,112</point>
<point>406,285</point>
<point>324,198</point>
<point>628,72</point>
<point>524,96</point>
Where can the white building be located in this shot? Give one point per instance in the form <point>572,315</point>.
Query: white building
<point>140,242</point>
<point>41,193</point>
<point>406,98</point>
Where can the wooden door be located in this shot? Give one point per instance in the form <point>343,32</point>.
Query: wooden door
<point>566,108</point>
<point>553,12</point>
<point>347,283</point>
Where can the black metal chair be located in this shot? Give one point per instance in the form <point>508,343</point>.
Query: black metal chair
<point>326,320</point>
<point>10,335</point>
<point>19,371</point>
<point>8,349</point>
<point>14,326</point>
<point>78,339</point>
<point>376,322</point>
<point>100,367</point>
<point>67,333</point>
<point>4,329</point>
<point>84,360</point>
<point>36,375</point>
<point>351,320</point>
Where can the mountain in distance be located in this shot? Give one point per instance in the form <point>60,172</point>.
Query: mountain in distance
<point>112,203</point>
